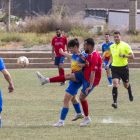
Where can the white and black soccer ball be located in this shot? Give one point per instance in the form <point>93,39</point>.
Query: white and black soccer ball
<point>23,61</point>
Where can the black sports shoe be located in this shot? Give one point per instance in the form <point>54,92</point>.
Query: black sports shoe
<point>114,105</point>
<point>130,96</point>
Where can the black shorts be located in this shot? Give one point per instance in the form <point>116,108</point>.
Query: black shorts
<point>120,72</point>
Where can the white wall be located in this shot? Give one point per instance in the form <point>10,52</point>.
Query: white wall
<point>120,20</point>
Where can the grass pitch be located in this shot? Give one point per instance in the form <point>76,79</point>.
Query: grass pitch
<point>31,110</point>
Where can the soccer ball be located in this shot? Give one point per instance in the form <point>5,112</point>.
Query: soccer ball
<point>23,61</point>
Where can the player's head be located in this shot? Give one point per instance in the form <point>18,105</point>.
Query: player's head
<point>117,37</point>
<point>58,32</point>
<point>73,45</point>
<point>107,37</point>
<point>89,45</point>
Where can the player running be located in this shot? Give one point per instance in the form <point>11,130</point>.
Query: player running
<point>8,79</point>
<point>90,78</point>
<point>120,52</point>
<point>72,90</point>
<point>106,56</point>
<point>59,41</point>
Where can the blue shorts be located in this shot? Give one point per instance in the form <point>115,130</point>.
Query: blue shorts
<point>0,101</point>
<point>73,87</point>
<point>58,60</point>
<point>81,79</point>
<point>105,63</point>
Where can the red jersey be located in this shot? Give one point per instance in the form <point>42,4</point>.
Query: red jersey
<point>59,42</point>
<point>93,63</point>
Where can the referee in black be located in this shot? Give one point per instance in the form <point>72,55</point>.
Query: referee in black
<point>120,52</point>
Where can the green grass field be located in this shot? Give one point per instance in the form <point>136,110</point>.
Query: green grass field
<point>31,110</point>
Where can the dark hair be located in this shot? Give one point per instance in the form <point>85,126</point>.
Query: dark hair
<point>73,42</point>
<point>117,32</point>
<point>58,29</point>
<point>107,34</point>
<point>90,41</point>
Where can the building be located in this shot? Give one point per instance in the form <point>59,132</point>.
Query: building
<point>28,7</point>
<point>80,5</point>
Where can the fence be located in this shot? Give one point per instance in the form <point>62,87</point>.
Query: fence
<point>24,8</point>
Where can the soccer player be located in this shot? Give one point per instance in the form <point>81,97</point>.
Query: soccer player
<point>8,79</point>
<point>89,78</point>
<point>59,41</point>
<point>106,56</point>
<point>120,52</point>
<point>72,90</point>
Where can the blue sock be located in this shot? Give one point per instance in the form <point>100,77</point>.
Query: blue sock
<point>0,123</point>
<point>64,113</point>
<point>77,108</point>
<point>110,80</point>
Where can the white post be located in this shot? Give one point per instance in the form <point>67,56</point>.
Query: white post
<point>8,4</point>
<point>133,15</point>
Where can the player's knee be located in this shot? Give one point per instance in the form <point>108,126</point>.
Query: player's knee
<point>66,102</point>
<point>126,85</point>
<point>60,68</point>
<point>81,98</point>
<point>67,76</point>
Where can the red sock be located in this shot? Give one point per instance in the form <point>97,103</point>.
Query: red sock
<point>85,107</point>
<point>57,79</point>
<point>61,72</point>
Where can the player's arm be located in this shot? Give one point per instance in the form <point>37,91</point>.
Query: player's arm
<point>81,65</point>
<point>130,55</point>
<point>8,79</point>
<point>53,52</point>
<point>67,48</point>
<point>83,57</point>
<point>65,54</point>
<point>110,61</point>
<point>92,76</point>
<point>103,55</point>
<point>103,52</point>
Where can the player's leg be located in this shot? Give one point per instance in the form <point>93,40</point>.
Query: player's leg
<point>56,62</point>
<point>108,74</point>
<point>61,69</point>
<point>76,105</point>
<point>125,78</point>
<point>84,102</point>
<point>62,78</point>
<point>109,77</point>
<point>73,90</point>
<point>65,110</point>
<point>0,106</point>
<point>115,79</point>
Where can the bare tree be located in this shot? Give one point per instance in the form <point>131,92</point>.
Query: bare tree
<point>8,6</point>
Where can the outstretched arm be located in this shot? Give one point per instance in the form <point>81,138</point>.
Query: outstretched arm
<point>110,61</point>
<point>92,76</point>
<point>65,54</point>
<point>52,52</point>
<point>8,79</point>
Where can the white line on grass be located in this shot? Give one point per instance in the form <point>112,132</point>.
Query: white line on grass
<point>109,120</point>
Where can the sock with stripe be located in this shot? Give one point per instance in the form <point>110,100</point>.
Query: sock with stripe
<point>115,94</point>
